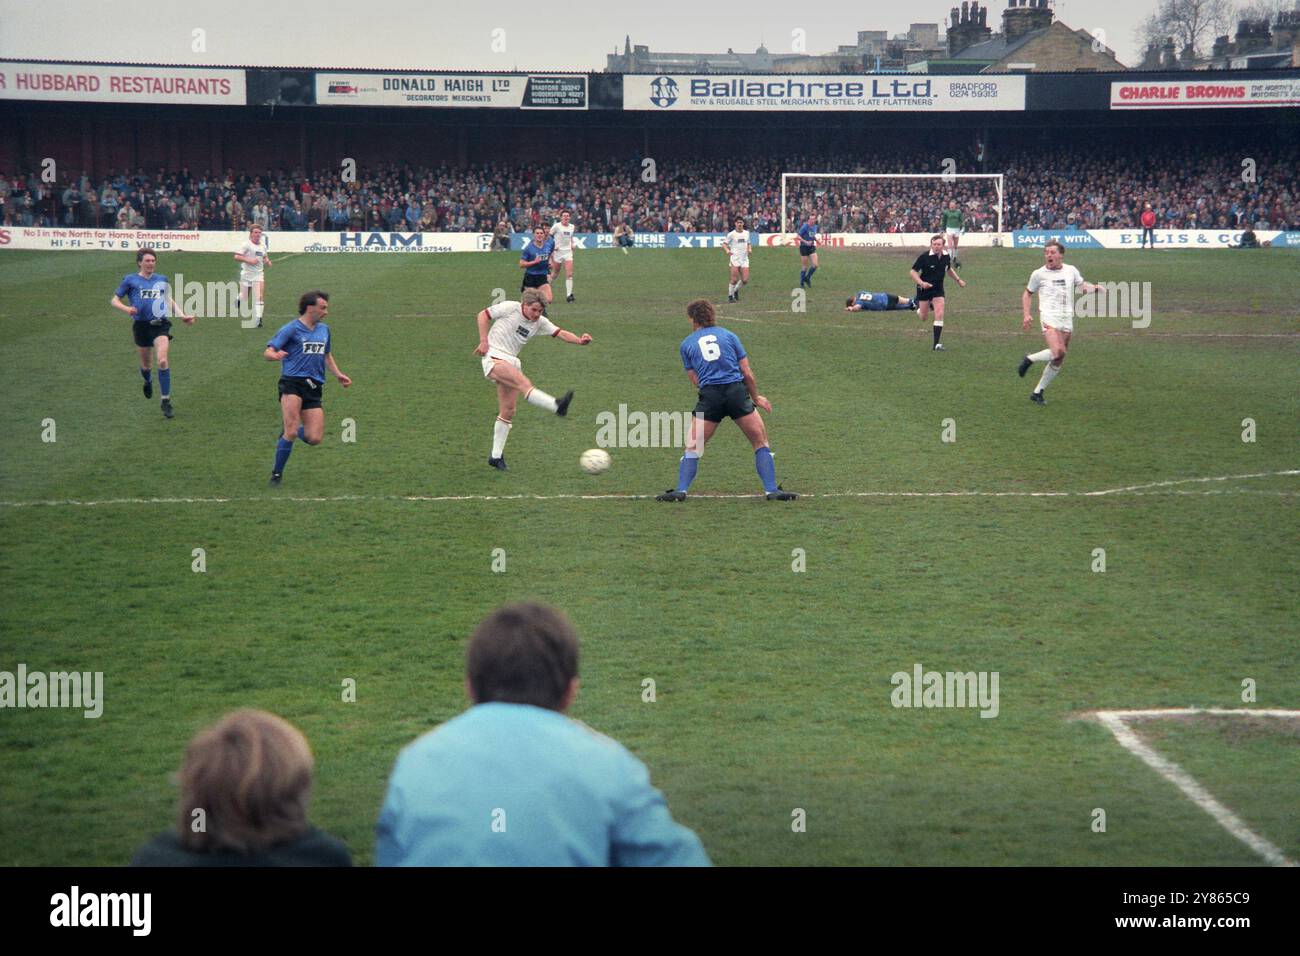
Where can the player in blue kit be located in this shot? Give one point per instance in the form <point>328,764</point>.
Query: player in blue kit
<point>303,346</point>
<point>149,302</point>
<point>717,365</point>
<point>879,302</point>
<point>535,260</point>
<point>807,251</point>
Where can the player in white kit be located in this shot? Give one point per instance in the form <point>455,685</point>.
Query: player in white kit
<point>512,325</point>
<point>1055,284</point>
<point>253,258</point>
<point>737,246</point>
<point>562,233</point>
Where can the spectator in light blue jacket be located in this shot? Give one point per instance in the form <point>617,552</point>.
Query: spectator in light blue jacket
<point>512,781</point>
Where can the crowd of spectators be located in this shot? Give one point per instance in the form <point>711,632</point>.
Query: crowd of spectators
<point>1189,185</point>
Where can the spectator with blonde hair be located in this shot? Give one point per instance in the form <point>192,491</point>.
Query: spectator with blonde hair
<point>245,785</point>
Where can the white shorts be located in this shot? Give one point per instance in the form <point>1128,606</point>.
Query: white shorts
<point>560,258</point>
<point>490,360</point>
<point>955,232</point>
<point>740,262</point>
<point>248,278</point>
<point>1061,325</point>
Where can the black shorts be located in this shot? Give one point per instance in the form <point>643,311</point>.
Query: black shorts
<point>307,389</point>
<point>625,241</point>
<point>724,401</point>
<point>807,250</point>
<point>534,282</point>
<point>146,330</point>
<point>934,292</point>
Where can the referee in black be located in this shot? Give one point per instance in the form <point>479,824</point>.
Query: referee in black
<point>928,272</point>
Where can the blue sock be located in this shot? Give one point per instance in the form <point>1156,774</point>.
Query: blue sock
<point>282,449</point>
<point>811,271</point>
<point>165,380</point>
<point>766,468</point>
<point>302,432</point>
<point>686,470</point>
<point>145,374</point>
<point>803,276</point>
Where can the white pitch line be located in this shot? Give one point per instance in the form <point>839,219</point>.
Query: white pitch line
<point>221,500</point>
<point>1186,481</point>
<point>1113,720</point>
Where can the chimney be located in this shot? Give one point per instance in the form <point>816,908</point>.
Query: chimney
<point>1253,36</point>
<point>1026,16</point>
<point>967,27</point>
<point>1287,29</point>
<point>1169,55</point>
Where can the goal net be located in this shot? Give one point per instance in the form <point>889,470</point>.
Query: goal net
<point>891,202</point>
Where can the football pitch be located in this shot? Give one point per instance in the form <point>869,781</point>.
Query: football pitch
<point>1130,546</point>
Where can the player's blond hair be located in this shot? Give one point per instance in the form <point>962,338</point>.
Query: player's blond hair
<point>532,297</point>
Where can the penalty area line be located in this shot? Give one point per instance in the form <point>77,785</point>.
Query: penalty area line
<point>1115,722</point>
<point>231,499</point>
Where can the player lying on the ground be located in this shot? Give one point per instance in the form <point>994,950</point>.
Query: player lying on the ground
<point>716,364</point>
<point>512,324</point>
<point>879,302</point>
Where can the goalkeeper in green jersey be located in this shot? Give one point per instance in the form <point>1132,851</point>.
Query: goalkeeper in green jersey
<point>951,222</point>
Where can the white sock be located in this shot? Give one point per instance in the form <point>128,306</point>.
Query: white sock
<point>500,432</point>
<point>257,311</point>
<point>732,287</point>
<point>568,287</point>
<point>539,398</point>
<point>1049,373</point>
<point>1044,356</point>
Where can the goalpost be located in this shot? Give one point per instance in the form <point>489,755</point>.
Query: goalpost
<point>995,179</point>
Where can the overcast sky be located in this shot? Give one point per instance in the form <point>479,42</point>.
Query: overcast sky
<point>435,34</point>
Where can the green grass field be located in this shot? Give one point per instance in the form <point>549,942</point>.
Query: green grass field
<point>374,560</point>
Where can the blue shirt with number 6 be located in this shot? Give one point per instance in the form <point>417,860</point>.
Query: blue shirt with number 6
<point>714,354</point>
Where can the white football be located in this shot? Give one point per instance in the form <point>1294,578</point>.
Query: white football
<point>594,460</point>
